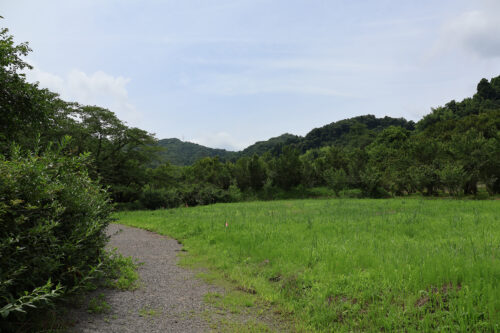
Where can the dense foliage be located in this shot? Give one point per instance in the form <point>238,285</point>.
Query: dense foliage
<point>273,145</point>
<point>454,150</point>
<point>52,213</point>
<point>183,153</point>
<point>52,236</point>
<point>32,117</point>
<point>354,132</point>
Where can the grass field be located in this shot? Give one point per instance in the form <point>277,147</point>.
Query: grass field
<point>351,264</point>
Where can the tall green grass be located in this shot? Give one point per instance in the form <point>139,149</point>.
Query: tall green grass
<point>343,265</point>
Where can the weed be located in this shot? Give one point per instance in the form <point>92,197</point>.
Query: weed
<point>98,305</point>
<point>121,272</point>
<point>148,312</point>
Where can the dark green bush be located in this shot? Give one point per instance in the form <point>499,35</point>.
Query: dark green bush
<point>210,194</point>
<point>199,194</point>
<point>154,198</point>
<point>52,238</point>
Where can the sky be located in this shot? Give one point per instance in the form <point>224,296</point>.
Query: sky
<point>228,73</point>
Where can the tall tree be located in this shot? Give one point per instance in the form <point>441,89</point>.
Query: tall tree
<point>26,111</point>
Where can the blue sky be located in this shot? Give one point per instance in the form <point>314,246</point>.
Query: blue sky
<point>228,73</point>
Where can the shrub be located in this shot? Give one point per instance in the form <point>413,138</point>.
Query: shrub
<point>268,191</point>
<point>202,194</point>
<point>452,177</point>
<point>153,198</point>
<point>210,194</point>
<point>234,193</point>
<point>371,184</point>
<point>53,218</point>
<point>335,179</point>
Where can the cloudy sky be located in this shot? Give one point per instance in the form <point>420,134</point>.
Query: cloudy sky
<point>227,73</point>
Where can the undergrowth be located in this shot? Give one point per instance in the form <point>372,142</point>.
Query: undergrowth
<point>113,271</point>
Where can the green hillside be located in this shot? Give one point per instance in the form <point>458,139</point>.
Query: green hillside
<point>273,145</point>
<point>179,152</point>
<point>357,132</point>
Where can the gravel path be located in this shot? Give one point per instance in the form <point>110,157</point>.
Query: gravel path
<point>172,292</point>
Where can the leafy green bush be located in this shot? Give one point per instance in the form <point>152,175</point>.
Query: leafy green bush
<point>453,178</point>
<point>52,238</point>
<point>234,193</point>
<point>336,179</point>
<point>371,184</point>
<point>123,206</point>
<point>209,194</point>
<point>203,194</point>
<point>153,198</point>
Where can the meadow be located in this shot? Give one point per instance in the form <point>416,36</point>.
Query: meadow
<point>351,264</point>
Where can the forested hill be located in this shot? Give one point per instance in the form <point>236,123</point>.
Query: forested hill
<point>356,132</point>
<point>273,145</point>
<point>179,152</point>
<point>479,111</point>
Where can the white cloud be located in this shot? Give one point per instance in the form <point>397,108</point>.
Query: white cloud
<point>477,31</point>
<point>99,89</point>
<point>222,140</point>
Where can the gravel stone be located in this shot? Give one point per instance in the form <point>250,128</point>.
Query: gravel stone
<point>173,292</point>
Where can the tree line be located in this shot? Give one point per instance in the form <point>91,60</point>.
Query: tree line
<point>453,151</point>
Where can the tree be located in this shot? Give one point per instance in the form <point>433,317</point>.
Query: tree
<point>336,180</point>
<point>120,154</point>
<point>485,90</point>
<point>26,111</point>
<point>453,177</point>
<point>389,154</point>
<point>257,172</point>
<point>210,170</point>
<point>287,168</point>
<point>241,174</point>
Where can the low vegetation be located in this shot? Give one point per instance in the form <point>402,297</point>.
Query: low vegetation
<point>351,265</point>
<point>149,312</point>
<point>121,272</point>
<point>98,305</point>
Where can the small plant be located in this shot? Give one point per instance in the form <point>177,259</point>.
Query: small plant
<point>148,312</point>
<point>98,305</point>
<point>121,272</point>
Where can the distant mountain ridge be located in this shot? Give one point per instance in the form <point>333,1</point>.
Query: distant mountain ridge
<point>354,132</point>
<point>180,152</point>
